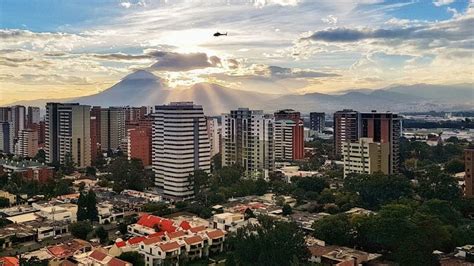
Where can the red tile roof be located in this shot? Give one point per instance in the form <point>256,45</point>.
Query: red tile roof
<point>215,234</point>
<point>97,255</point>
<point>169,246</point>
<point>185,225</point>
<point>197,229</point>
<point>176,234</point>
<point>151,221</point>
<point>117,262</point>
<point>161,233</point>
<point>120,244</point>
<point>135,240</point>
<point>193,240</point>
<point>9,261</point>
<point>152,240</point>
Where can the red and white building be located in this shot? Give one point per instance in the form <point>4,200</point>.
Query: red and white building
<point>168,240</point>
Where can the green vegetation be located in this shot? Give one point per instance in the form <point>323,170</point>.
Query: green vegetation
<point>270,243</point>
<point>80,229</point>
<point>87,207</point>
<point>102,235</point>
<point>128,174</point>
<point>52,188</point>
<point>133,257</point>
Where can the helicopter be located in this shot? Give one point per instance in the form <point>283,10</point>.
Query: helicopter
<point>217,34</point>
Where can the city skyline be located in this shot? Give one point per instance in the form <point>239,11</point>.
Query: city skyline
<point>71,49</point>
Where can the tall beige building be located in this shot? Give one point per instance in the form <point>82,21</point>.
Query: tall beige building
<point>27,145</point>
<point>68,132</point>
<point>469,172</point>
<point>366,157</point>
<point>248,141</point>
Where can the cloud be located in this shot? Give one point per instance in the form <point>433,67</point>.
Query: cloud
<point>442,2</point>
<point>263,3</point>
<point>172,61</point>
<point>330,19</point>
<point>121,57</point>
<point>455,30</point>
<point>126,4</point>
<point>285,73</point>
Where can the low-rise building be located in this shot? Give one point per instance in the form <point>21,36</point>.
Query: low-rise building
<point>228,221</point>
<point>28,169</point>
<point>57,212</point>
<point>7,195</point>
<point>108,213</point>
<point>340,256</point>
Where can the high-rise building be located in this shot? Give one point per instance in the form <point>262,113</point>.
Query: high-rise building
<point>33,116</point>
<point>366,157</point>
<point>139,141</point>
<point>135,113</point>
<point>95,132</point>
<point>317,121</point>
<point>112,129</point>
<point>214,130</point>
<point>18,117</point>
<point>5,114</point>
<point>247,141</point>
<point>68,132</point>
<point>6,137</point>
<point>288,135</point>
<point>469,172</point>
<point>41,128</point>
<point>180,146</point>
<point>27,145</point>
<point>383,128</point>
<point>346,129</point>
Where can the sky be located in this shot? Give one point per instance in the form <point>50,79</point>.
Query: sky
<point>59,49</point>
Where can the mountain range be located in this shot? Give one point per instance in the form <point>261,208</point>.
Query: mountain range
<point>144,88</point>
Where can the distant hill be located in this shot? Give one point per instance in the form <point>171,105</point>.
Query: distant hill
<point>144,88</point>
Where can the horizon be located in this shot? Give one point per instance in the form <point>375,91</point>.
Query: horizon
<point>57,50</point>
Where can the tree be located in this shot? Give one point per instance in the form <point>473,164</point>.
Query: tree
<point>287,210</point>
<point>68,167</point>
<point>102,234</point>
<point>80,229</point>
<point>122,227</point>
<point>40,156</point>
<point>91,171</point>
<point>91,205</point>
<point>249,214</point>
<point>4,202</point>
<point>87,207</point>
<point>454,166</point>
<point>133,257</point>
<point>198,181</point>
<point>270,243</point>
<point>378,189</point>
<point>82,207</point>
<point>334,229</point>
<point>128,174</point>
<point>436,185</point>
<point>314,184</point>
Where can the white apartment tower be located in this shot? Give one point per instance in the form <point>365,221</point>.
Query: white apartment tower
<point>67,129</point>
<point>214,130</point>
<point>284,140</point>
<point>180,145</point>
<point>247,141</point>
